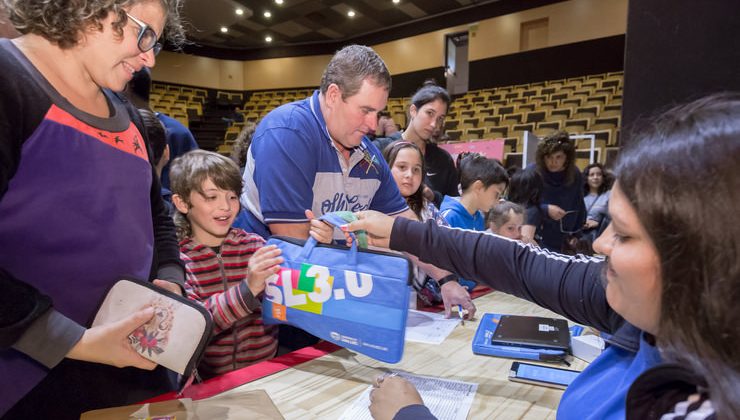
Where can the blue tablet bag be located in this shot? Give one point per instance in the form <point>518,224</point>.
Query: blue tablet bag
<point>352,297</point>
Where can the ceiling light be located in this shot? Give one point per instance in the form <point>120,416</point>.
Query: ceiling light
<point>351,13</point>
<point>239,12</point>
<point>396,1</point>
<point>224,29</point>
<point>267,14</point>
<point>268,38</point>
<point>278,1</point>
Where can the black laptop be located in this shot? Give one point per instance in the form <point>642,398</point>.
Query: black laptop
<point>532,332</point>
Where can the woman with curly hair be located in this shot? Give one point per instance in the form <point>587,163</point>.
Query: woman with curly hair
<point>80,206</point>
<point>562,195</point>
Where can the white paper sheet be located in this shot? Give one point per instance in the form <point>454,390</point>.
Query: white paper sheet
<point>429,327</point>
<point>446,399</point>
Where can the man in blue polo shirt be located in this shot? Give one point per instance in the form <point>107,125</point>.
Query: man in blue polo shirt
<point>314,153</point>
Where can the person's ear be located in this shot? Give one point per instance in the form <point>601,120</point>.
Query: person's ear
<point>413,111</point>
<point>180,204</point>
<point>478,185</point>
<point>164,159</point>
<point>333,94</point>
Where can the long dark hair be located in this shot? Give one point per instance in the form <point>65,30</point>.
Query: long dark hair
<point>416,200</point>
<point>430,92</point>
<point>525,187</point>
<point>692,221</point>
<point>606,184</point>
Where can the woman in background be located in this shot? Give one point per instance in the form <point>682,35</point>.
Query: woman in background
<point>426,117</point>
<point>562,193</point>
<point>596,190</point>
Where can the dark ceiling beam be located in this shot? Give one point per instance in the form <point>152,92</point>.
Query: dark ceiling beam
<point>460,17</point>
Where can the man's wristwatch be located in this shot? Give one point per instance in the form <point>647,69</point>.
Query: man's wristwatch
<point>447,279</point>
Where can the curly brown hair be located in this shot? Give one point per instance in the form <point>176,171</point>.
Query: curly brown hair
<point>62,22</point>
<point>557,142</point>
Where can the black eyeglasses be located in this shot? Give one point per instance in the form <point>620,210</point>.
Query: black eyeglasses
<point>569,232</point>
<point>147,39</point>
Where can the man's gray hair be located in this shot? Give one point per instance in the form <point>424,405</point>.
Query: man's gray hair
<point>350,66</point>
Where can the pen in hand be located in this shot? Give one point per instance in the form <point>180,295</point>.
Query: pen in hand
<point>461,313</point>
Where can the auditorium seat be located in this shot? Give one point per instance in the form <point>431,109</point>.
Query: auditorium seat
<point>535,116</point>
<point>605,136</point>
<point>523,127</point>
<point>454,135</point>
<point>592,110</point>
<point>490,121</point>
<point>559,96</point>
<point>549,125</point>
<point>505,110</point>
<point>563,111</point>
<point>469,123</point>
<point>577,125</point>
<point>474,133</point>
<point>574,102</point>
<point>511,119</point>
<point>526,107</point>
<point>497,132</point>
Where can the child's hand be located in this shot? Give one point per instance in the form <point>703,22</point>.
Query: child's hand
<point>263,264</point>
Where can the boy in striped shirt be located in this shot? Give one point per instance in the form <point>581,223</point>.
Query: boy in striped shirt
<point>226,267</point>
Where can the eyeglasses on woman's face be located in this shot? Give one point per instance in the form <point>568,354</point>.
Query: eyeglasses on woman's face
<point>147,39</point>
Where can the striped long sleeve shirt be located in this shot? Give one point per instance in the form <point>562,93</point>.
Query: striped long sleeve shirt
<point>218,280</point>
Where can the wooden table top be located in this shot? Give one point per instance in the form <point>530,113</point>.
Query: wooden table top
<point>325,387</point>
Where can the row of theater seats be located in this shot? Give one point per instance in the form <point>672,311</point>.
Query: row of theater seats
<point>205,112</point>
<point>585,105</point>
<point>581,105</point>
<point>188,101</point>
<point>179,102</point>
<point>260,103</point>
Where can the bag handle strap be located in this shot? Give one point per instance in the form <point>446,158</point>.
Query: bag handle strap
<point>335,219</point>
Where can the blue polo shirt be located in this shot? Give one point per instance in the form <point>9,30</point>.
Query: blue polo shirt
<point>293,165</point>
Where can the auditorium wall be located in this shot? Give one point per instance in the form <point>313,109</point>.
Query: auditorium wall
<point>567,22</point>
